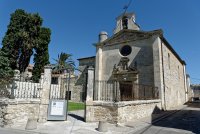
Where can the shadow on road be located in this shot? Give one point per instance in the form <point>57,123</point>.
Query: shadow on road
<point>76,116</point>
<point>185,119</point>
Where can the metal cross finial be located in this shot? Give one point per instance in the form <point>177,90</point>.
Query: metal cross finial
<point>127,6</point>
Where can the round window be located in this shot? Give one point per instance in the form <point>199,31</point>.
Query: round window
<point>125,50</point>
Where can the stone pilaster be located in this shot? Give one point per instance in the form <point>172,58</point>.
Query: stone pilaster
<point>89,93</point>
<point>45,94</point>
<point>90,84</point>
<point>98,68</point>
<point>158,69</point>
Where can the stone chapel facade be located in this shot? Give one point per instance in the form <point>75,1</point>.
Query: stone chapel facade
<point>134,74</point>
<point>132,56</point>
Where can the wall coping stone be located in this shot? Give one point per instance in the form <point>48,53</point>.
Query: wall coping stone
<point>3,101</point>
<point>123,103</point>
<point>19,101</point>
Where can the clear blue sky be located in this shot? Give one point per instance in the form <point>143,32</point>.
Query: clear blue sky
<point>75,24</point>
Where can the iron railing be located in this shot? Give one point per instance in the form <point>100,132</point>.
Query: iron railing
<point>21,89</point>
<point>25,90</point>
<point>55,91</point>
<point>115,91</point>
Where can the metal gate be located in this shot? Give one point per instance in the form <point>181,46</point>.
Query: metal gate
<point>62,88</point>
<point>58,88</point>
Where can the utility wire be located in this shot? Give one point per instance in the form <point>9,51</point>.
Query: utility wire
<point>125,9</point>
<point>127,6</point>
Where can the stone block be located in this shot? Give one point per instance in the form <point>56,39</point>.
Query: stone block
<point>31,124</point>
<point>103,126</point>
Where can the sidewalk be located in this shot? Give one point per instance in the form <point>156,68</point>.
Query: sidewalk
<point>15,131</point>
<point>75,125</point>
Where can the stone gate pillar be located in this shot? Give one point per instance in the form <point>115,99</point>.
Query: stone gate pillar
<point>89,92</point>
<point>90,84</point>
<point>45,93</point>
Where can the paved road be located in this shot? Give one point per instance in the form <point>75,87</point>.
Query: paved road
<point>186,121</point>
<point>14,131</point>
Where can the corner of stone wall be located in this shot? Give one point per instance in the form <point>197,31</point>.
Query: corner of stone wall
<point>120,112</point>
<point>13,111</point>
<point>3,111</point>
<point>89,112</point>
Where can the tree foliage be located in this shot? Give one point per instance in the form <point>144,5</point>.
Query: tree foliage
<point>24,34</point>
<point>6,73</point>
<point>64,62</point>
<point>41,56</point>
<point>21,36</point>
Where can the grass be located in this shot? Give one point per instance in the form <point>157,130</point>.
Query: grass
<point>76,106</point>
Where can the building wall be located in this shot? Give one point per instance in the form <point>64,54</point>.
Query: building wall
<point>80,85</point>
<point>120,112</point>
<point>141,57</point>
<point>174,79</point>
<point>15,112</point>
<point>87,61</point>
<point>196,93</point>
<point>157,66</point>
<point>195,90</point>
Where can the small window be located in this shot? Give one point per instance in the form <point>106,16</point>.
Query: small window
<point>178,73</point>
<point>169,60</point>
<point>125,22</point>
<point>125,50</point>
<point>54,80</point>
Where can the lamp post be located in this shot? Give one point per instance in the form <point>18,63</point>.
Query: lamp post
<point>68,86</point>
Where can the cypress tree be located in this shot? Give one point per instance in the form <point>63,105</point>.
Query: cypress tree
<point>6,72</point>
<point>41,57</point>
<point>24,34</point>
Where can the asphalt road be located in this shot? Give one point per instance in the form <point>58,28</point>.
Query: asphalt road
<point>186,121</point>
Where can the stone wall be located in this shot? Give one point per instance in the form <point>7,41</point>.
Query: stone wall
<point>78,93</point>
<point>169,75</point>
<point>14,112</point>
<point>77,90</point>
<point>122,111</point>
<point>174,79</point>
<point>2,112</point>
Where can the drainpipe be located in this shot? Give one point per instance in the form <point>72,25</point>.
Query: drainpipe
<point>163,75</point>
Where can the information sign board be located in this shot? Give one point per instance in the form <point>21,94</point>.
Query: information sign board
<point>57,110</point>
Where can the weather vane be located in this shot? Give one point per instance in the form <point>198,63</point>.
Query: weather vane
<point>127,6</point>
